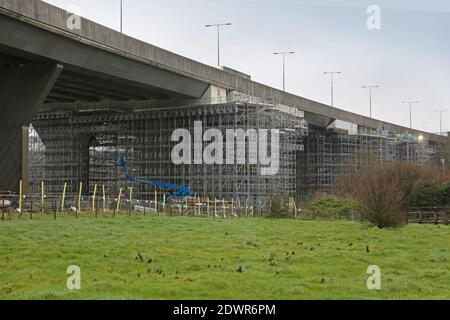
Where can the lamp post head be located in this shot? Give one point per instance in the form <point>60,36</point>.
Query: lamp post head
<point>370,87</point>
<point>284,53</point>
<point>410,102</point>
<point>218,25</point>
<point>332,72</point>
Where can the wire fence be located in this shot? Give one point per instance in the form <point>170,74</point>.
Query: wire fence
<point>34,205</point>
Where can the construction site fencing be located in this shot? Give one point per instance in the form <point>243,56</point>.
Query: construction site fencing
<point>73,204</point>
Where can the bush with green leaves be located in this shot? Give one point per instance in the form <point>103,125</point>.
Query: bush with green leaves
<point>278,207</point>
<point>427,194</point>
<point>331,207</point>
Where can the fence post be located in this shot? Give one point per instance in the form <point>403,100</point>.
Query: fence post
<point>199,210</point>
<point>79,198</point>
<point>232,206</point>
<point>295,209</point>
<point>246,207</point>
<point>195,206</point>
<point>164,203</point>
<point>96,209</point>
<point>186,205</point>
<point>239,206</point>
<point>223,208</point>
<point>63,200</point>
<point>104,198</point>
<point>42,197</point>
<point>215,207</point>
<point>156,203</point>
<point>20,197</point>
<point>131,199</point>
<point>94,198</point>
<point>207,207</point>
<point>118,201</point>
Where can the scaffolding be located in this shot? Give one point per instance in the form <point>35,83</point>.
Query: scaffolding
<point>83,146</point>
<point>329,155</point>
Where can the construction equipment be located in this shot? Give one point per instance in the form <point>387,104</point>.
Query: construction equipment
<point>180,192</point>
<point>7,200</point>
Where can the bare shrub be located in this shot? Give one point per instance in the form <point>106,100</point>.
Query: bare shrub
<point>383,192</point>
<point>381,203</point>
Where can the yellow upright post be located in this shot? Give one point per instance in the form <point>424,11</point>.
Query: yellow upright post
<point>63,200</point>
<point>118,200</point>
<point>20,196</point>
<point>186,204</point>
<point>79,196</point>
<point>104,198</point>
<point>207,206</point>
<point>94,198</point>
<point>131,195</point>
<point>42,196</point>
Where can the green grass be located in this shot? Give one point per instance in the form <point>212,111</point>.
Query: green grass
<point>198,258</point>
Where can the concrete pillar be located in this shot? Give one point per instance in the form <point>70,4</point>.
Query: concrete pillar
<point>23,88</point>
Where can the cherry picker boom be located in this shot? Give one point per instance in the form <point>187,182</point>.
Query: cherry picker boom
<point>180,192</point>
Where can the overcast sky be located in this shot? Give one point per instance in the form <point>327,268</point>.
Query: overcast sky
<point>408,58</point>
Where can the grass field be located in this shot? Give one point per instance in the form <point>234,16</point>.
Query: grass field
<point>196,258</point>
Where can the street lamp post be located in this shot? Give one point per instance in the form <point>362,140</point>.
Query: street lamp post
<point>332,73</point>
<point>284,65</point>
<point>440,119</point>
<point>218,25</point>
<point>370,93</point>
<point>121,16</point>
<point>410,111</point>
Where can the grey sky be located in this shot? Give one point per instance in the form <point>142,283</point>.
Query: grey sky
<point>408,57</point>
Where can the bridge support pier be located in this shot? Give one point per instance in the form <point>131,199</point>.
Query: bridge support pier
<point>23,88</point>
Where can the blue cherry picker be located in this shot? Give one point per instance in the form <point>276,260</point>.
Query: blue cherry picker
<point>177,191</point>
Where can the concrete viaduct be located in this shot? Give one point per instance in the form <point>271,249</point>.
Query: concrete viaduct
<point>43,62</point>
